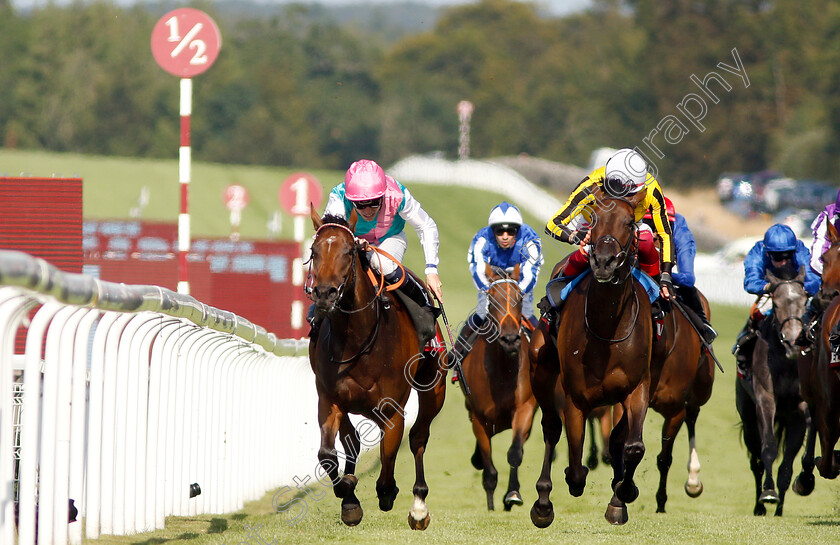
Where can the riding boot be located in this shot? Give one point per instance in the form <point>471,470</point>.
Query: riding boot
<point>742,349</point>
<point>813,313</point>
<point>691,297</point>
<point>464,342</point>
<point>414,290</point>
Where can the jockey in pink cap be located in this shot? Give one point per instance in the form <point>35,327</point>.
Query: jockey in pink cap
<point>384,206</point>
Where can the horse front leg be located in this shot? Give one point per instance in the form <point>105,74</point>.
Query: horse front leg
<point>794,436</point>
<point>542,512</point>
<point>489,475</point>
<point>829,433</point>
<point>575,428</point>
<point>386,486</point>
<point>766,413</point>
<point>670,428</point>
<point>430,402</point>
<point>804,483</point>
<point>351,509</point>
<point>329,421</point>
<point>523,418</point>
<point>635,408</point>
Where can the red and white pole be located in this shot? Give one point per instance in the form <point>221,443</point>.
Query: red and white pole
<point>184,167</point>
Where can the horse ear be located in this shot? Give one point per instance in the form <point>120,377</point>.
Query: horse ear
<point>316,219</point>
<point>801,274</point>
<point>516,271</point>
<point>351,221</point>
<point>489,272</point>
<point>833,236</point>
<point>770,277</point>
<point>637,198</point>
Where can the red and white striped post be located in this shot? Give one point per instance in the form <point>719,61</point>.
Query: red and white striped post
<point>185,42</point>
<point>184,168</point>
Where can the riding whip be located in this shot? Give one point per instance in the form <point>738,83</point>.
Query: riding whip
<point>706,345</point>
<point>457,365</point>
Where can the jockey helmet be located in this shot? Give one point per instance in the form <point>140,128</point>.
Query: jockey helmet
<point>625,174</point>
<point>505,216</point>
<point>365,180</point>
<point>669,211</point>
<point>779,238</point>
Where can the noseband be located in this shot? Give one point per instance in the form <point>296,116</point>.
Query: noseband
<point>625,252</point>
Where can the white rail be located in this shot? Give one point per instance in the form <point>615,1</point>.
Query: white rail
<point>132,395</point>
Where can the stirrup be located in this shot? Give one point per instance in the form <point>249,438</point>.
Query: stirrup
<point>709,333</point>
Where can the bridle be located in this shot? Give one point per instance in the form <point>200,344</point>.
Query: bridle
<point>626,251</point>
<point>350,279</point>
<point>780,325</point>
<point>508,307</point>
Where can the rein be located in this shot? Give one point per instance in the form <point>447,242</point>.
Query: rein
<point>605,339</point>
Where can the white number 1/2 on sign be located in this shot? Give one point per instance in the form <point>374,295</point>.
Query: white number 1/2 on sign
<point>199,45</point>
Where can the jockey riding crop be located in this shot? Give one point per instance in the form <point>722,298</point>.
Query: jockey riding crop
<point>457,365</point>
<point>706,345</point>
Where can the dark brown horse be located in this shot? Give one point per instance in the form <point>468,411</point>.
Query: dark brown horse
<point>366,358</point>
<point>682,374</point>
<point>819,379</point>
<point>769,402</point>
<point>602,357</point>
<point>497,371</point>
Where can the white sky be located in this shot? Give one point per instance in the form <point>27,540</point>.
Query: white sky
<point>556,7</point>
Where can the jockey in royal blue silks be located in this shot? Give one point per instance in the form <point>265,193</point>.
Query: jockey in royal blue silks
<point>505,242</point>
<point>685,248</point>
<point>780,249</point>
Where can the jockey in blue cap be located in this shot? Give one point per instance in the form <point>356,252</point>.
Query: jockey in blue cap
<point>505,242</point>
<point>779,250</point>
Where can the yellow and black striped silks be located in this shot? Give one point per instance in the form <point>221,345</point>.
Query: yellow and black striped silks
<point>581,204</point>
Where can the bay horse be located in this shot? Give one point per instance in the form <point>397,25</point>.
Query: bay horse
<point>769,403</point>
<point>366,358</point>
<point>682,375</point>
<point>602,357</point>
<point>820,383</point>
<point>497,370</point>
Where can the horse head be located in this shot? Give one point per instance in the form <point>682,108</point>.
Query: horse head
<point>335,256</point>
<point>504,299</point>
<point>789,299</point>
<point>613,235</point>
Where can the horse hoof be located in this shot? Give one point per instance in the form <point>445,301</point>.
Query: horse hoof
<point>759,510</point>
<point>693,490</point>
<point>512,498</point>
<point>616,514</point>
<point>421,525</point>
<point>592,461</point>
<point>351,514</point>
<point>803,485</point>
<point>769,496</point>
<point>542,516</point>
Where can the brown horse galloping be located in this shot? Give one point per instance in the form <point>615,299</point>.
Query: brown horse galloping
<point>366,358</point>
<point>682,374</point>
<point>819,379</point>
<point>602,357</point>
<point>496,369</point>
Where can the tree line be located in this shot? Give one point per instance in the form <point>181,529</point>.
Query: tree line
<point>293,90</point>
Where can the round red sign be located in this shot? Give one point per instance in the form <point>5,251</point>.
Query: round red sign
<point>297,191</point>
<point>186,42</point>
<point>235,197</point>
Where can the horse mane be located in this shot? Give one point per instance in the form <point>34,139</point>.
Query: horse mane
<point>337,220</point>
